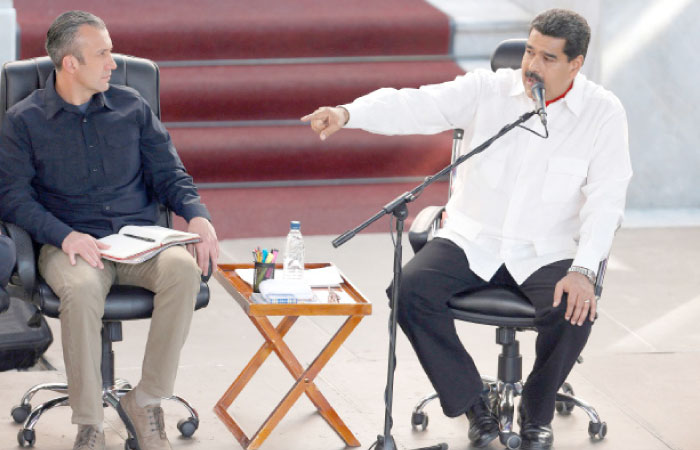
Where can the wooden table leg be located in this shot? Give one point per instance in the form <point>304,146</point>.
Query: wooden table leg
<point>304,383</point>
<point>221,407</point>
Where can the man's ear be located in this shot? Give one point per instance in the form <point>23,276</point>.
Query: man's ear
<point>575,65</point>
<point>69,63</point>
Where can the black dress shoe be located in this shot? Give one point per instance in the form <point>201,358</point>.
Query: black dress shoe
<point>483,426</point>
<point>534,436</point>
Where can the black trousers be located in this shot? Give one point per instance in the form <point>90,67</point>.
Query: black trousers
<point>441,270</point>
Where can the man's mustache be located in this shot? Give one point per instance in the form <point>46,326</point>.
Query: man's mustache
<point>534,76</point>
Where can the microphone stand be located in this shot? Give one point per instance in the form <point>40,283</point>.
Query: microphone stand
<point>398,209</point>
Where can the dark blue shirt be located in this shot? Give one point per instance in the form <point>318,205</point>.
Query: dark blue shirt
<point>94,172</point>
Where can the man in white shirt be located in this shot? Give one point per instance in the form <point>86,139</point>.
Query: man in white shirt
<point>536,215</point>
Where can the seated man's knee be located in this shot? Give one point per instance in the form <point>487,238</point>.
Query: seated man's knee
<point>557,316</point>
<point>180,268</point>
<point>83,294</point>
<point>408,293</point>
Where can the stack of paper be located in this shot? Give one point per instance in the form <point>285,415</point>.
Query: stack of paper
<point>321,277</point>
<point>286,291</point>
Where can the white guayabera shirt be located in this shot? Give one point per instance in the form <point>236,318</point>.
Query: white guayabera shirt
<point>525,201</point>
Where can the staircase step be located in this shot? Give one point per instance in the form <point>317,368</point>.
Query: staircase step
<point>215,29</point>
<point>322,210</point>
<point>286,91</point>
<point>269,153</point>
<point>479,26</point>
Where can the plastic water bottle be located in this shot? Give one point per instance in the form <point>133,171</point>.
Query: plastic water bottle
<point>294,253</point>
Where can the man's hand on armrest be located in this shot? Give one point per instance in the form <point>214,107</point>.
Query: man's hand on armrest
<point>208,248</point>
<point>86,246</point>
<point>327,120</point>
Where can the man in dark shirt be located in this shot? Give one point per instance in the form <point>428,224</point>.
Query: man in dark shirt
<point>79,160</point>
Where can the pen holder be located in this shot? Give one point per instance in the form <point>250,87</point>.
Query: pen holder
<point>263,271</point>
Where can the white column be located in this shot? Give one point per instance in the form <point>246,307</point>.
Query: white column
<point>8,31</point>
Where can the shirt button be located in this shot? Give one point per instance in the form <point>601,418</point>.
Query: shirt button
<point>94,170</point>
<point>84,119</point>
<point>107,208</point>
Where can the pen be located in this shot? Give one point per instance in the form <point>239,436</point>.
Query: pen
<point>140,238</point>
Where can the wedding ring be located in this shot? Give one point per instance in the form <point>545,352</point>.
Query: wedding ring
<point>587,301</point>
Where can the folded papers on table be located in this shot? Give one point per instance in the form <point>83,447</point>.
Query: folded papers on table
<point>321,277</point>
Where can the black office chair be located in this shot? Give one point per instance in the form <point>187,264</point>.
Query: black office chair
<point>502,308</point>
<point>4,296</point>
<point>19,79</point>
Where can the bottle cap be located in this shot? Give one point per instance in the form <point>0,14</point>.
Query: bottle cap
<point>295,225</point>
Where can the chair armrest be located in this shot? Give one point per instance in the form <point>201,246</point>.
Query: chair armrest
<point>600,276</point>
<point>206,276</point>
<point>426,223</point>
<point>26,259</point>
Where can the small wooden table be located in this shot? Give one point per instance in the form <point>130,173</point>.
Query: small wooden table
<point>258,314</point>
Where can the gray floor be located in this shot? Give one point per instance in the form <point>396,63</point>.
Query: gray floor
<point>640,372</point>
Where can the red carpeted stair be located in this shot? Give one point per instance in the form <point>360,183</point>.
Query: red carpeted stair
<point>236,76</point>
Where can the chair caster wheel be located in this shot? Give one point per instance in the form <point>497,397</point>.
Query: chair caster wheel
<point>419,419</point>
<point>188,426</point>
<point>511,440</point>
<point>565,407</point>
<point>597,430</point>
<point>20,413</point>
<point>130,444</point>
<point>26,437</point>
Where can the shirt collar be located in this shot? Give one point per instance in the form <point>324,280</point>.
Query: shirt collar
<point>573,99</point>
<point>55,103</point>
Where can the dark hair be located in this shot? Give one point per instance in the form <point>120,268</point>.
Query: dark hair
<point>61,37</point>
<point>562,23</point>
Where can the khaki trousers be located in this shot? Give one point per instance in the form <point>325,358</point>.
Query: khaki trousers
<point>172,275</point>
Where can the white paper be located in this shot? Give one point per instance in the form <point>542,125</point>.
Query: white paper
<point>321,277</point>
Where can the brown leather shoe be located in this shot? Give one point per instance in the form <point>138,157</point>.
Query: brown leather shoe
<point>89,438</point>
<point>148,424</point>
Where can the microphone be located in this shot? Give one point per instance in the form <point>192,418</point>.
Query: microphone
<point>538,96</point>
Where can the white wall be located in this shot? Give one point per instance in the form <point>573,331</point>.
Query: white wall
<point>651,62</point>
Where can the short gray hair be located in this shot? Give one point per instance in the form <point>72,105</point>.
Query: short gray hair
<point>61,37</point>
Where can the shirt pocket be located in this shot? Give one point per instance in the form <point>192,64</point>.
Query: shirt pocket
<point>122,156</point>
<point>564,178</point>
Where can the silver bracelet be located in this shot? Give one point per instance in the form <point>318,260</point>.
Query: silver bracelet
<point>588,273</point>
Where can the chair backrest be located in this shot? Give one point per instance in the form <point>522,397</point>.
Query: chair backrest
<point>21,78</point>
<point>508,54</point>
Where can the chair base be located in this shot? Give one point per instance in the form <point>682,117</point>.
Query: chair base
<point>23,413</point>
<point>502,391</point>
<point>502,401</point>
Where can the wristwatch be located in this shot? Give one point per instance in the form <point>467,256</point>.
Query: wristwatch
<point>584,271</point>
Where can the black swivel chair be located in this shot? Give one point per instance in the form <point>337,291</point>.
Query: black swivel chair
<point>502,308</point>
<point>19,79</point>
